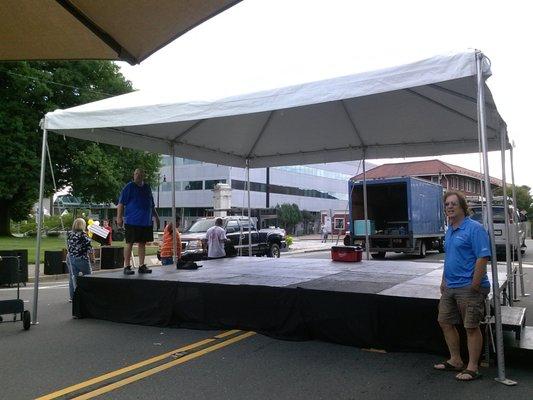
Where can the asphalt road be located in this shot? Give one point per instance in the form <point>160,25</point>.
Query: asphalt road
<point>61,352</point>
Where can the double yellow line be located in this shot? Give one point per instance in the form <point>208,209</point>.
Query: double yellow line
<point>177,356</point>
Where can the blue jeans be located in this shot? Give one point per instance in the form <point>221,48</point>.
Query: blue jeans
<point>77,266</point>
<point>167,261</point>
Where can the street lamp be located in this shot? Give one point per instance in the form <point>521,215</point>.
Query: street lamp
<point>159,185</point>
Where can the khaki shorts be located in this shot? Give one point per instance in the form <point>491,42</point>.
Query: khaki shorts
<point>464,305</point>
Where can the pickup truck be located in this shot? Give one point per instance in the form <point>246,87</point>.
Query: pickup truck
<point>264,243</point>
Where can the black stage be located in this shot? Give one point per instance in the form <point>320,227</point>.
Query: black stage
<point>372,304</point>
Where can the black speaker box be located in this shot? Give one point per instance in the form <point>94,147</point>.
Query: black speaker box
<point>111,257</point>
<point>8,267</point>
<point>53,262</point>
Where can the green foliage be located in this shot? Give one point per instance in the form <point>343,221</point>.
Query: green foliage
<point>50,224</point>
<point>308,216</point>
<point>28,90</point>
<point>100,171</point>
<point>288,215</point>
<point>524,200</point>
<point>53,243</point>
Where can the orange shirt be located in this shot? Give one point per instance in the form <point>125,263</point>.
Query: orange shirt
<point>166,247</point>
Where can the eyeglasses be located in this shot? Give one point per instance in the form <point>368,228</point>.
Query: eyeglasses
<point>451,204</point>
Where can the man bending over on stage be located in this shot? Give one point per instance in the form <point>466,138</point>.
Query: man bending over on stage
<point>464,286</point>
<point>137,198</point>
<point>216,239</point>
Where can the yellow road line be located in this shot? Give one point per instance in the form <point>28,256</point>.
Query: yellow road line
<point>155,370</point>
<point>129,368</point>
<point>227,333</point>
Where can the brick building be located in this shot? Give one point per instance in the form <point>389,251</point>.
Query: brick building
<point>451,177</point>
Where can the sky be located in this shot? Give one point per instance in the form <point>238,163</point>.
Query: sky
<point>259,45</point>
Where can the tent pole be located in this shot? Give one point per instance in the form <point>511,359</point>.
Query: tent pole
<point>365,208</point>
<point>39,228</point>
<point>249,208</point>
<point>507,231</point>
<point>173,177</point>
<point>495,285</point>
<point>517,236</point>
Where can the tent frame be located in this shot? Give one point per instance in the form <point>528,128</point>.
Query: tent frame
<point>482,129</point>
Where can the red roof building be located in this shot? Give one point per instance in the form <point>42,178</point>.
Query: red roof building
<point>451,177</point>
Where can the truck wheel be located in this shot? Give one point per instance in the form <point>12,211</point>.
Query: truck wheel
<point>274,251</point>
<point>347,241</point>
<point>379,255</point>
<point>441,246</point>
<point>422,253</point>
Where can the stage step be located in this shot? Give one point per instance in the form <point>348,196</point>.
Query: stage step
<point>514,319</point>
<point>523,346</point>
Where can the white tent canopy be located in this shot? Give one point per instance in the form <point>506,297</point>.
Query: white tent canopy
<point>440,105</point>
<point>419,109</point>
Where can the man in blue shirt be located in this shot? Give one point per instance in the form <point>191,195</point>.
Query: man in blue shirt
<point>464,286</point>
<point>136,198</point>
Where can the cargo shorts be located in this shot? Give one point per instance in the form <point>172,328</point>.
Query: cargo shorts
<point>464,305</point>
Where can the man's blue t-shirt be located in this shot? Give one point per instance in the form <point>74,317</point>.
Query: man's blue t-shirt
<point>464,245</point>
<point>138,201</point>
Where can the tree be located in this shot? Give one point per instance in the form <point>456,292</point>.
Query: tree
<point>308,219</point>
<point>28,90</point>
<point>524,200</point>
<point>100,171</point>
<point>289,215</point>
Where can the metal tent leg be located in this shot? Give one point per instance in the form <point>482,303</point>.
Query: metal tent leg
<point>365,207</point>
<point>517,236</point>
<point>249,208</point>
<point>39,228</point>
<point>507,230</point>
<point>173,177</point>
<point>500,358</point>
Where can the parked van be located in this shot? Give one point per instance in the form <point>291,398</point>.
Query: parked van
<point>498,218</point>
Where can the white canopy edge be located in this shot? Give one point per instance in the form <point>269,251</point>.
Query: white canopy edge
<point>136,108</point>
<point>424,108</point>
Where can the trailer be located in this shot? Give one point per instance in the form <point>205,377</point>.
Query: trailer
<point>405,215</point>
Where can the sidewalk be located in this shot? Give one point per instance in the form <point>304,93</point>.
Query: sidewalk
<point>310,243</point>
<point>301,244</point>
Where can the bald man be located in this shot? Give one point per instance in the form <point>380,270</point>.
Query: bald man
<point>135,211</point>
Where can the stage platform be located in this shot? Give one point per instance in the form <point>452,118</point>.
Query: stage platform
<point>372,304</point>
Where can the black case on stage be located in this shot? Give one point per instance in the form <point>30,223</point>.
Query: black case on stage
<point>53,262</point>
<point>111,257</point>
<point>8,267</point>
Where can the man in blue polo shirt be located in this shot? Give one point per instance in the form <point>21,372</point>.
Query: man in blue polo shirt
<point>464,286</point>
<point>136,198</point>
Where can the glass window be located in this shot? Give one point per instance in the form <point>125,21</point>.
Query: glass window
<point>210,184</point>
<point>339,223</point>
<point>192,185</point>
<point>167,186</point>
<point>305,170</point>
<point>498,215</point>
<point>245,224</point>
<point>232,226</point>
<point>288,190</point>
<point>201,226</point>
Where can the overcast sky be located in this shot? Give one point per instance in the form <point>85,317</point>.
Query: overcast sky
<point>261,44</point>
